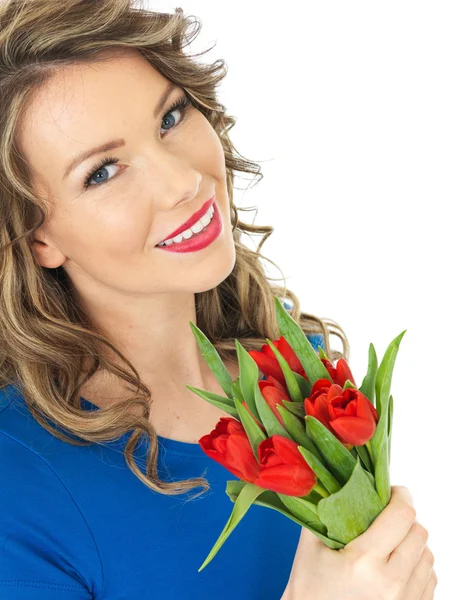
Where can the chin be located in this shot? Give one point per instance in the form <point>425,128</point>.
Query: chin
<point>216,272</point>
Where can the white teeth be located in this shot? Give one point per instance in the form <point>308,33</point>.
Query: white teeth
<point>206,219</point>
<point>197,227</point>
<point>188,233</point>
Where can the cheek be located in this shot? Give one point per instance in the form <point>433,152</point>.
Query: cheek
<point>113,225</point>
<point>205,149</point>
<point>122,226</point>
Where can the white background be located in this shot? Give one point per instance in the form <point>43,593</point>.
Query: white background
<point>345,105</point>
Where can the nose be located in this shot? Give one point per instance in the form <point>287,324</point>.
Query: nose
<point>190,196</point>
<point>184,200</point>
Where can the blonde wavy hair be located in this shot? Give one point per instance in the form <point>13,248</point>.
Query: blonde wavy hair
<point>49,347</point>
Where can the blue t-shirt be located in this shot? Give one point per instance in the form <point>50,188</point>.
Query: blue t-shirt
<point>76,523</point>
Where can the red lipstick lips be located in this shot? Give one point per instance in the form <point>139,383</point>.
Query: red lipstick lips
<point>192,220</point>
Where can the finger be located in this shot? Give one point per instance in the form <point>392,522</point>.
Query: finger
<point>419,577</point>
<point>402,492</point>
<point>429,592</point>
<point>409,552</point>
<point>389,528</point>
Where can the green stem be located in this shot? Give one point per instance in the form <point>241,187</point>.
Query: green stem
<point>366,458</point>
<point>370,451</point>
<point>321,490</point>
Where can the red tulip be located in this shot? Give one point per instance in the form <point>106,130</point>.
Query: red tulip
<point>268,364</point>
<point>340,373</point>
<point>348,413</point>
<point>229,445</point>
<point>283,469</point>
<point>280,466</point>
<point>353,417</point>
<point>274,392</point>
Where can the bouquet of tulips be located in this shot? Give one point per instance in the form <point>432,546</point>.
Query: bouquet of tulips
<point>307,441</point>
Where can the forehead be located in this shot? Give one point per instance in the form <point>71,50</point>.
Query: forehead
<point>85,104</point>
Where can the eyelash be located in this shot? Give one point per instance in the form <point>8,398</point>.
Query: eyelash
<point>182,103</point>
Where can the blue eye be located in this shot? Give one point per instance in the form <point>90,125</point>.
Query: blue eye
<point>97,169</point>
<point>182,103</point>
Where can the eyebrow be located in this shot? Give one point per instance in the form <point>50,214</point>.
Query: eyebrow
<point>119,142</point>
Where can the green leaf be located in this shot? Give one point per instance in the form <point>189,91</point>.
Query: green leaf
<point>371,478</point>
<point>255,434</point>
<point>290,380</point>
<point>362,453</point>
<point>300,508</point>
<point>337,458</point>
<point>390,427</point>
<point>223,402</point>
<point>350,511</point>
<point>322,353</point>
<point>297,430</point>
<point>267,417</point>
<point>270,499</point>
<point>365,457</point>
<point>379,444</point>
<point>349,384</point>
<point>296,408</point>
<point>325,476</point>
<point>234,487</point>
<point>385,373</point>
<point>295,336</point>
<point>382,472</point>
<point>304,385</point>
<point>367,387</point>
<point>212,358</point>
<point>236,391</point>
<point>314,497</point>
<point>249,375</point>
<point>241,506</point>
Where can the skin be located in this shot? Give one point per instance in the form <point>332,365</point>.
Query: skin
<point>105,236</point>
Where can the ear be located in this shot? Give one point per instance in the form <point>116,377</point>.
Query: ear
<point>46,252</point>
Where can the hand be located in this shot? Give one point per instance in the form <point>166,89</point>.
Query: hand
<point>389,561</point>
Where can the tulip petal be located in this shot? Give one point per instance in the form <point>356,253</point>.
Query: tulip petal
<point>277,384</point>
<point>293,480</point>
<point>272,397</point>
<point>321,409</point>
<point>334,391</point>
<point>239,455</point>
<point>287,352</point>
<point>268,365</point>
<point>229,445</point>
<point>319,385</point>
<point>344,372</point>
<point>330,369</point>
<point>354,430</point>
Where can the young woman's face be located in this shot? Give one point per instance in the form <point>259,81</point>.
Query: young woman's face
<point>169,165</point>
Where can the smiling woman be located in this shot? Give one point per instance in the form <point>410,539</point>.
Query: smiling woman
<point>112,139</point>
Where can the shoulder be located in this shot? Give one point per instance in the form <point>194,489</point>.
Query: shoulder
<point>44,538</point>
<point>18,424</point>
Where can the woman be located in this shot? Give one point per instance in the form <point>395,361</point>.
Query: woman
<point>112,142</point>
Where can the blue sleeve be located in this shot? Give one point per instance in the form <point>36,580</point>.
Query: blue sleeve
<point>42,552</point>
